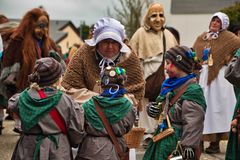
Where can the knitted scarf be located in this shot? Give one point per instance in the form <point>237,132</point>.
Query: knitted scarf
<point>193,93</point>
<point>31,110</point>
<point>114,110</point>
<point>222,49</point>
<point>172,83</point>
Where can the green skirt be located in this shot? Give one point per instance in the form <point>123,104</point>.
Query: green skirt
<point>163,148</point>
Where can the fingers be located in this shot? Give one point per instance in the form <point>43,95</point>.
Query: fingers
<point>188,153</point>
<point>153,110</point>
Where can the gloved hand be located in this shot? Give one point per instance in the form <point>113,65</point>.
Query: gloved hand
<point>153,110</point>
<point>188,153</point>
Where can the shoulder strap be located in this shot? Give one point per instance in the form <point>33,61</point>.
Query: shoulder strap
<point>164,43</point>
<point>178,95</point>
<point>161,67</point>
<point>109,129</point>
<point>54,114</point>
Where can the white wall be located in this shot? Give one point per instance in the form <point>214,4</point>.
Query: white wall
<point>188,25</point>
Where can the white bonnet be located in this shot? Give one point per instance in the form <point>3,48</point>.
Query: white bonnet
<point>108,28</point>
<point>224,19</point>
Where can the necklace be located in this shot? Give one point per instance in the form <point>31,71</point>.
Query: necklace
<point>207,56</point>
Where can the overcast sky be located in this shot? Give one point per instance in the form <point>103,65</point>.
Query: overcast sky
<point>76,10</point>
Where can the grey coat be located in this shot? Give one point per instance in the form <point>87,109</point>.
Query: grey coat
<point>232,73</point>
<point>71,114</point>
<point>97,144</point>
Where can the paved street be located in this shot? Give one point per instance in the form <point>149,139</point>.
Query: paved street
<point>9,138</point>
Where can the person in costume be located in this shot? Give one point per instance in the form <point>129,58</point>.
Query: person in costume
<point>105,48</point>
<point>148,44</point>
<point>29,42</point>
<point>6,29</point>
<point>215,49</point>
<point>52,122</point>
<point>118,110</point>
<point>185,114</point>
<point>232,74</point>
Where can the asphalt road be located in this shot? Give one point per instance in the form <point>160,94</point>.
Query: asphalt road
<point>9,138</point>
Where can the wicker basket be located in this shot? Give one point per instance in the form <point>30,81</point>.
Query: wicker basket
<point>134,137</point>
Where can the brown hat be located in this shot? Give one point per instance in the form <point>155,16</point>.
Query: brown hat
<point>46,71</point>
<point>113,76</point>
<point>184,58</point>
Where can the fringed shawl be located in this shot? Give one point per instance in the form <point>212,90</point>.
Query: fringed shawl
<point>222,49</point>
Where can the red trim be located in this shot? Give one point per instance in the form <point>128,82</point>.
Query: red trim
<point>41,94</point>
<point>54,114</point>
<point>57,119</point>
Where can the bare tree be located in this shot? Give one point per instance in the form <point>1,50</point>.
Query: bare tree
<point>129,13</point>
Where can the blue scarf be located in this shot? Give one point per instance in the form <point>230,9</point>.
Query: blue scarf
<point>119,93</point>
<point>172,83</point>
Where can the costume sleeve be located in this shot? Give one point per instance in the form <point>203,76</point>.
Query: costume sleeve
<point>232,73</point>
<point>13,103</point>
<point>126,124</point>
<point>12,58</point>
<point>192,123</point>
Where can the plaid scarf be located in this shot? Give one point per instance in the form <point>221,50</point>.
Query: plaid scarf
<point>31,110</point>
<point>114,109</point>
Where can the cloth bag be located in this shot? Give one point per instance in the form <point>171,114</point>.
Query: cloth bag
<point>154,81</point>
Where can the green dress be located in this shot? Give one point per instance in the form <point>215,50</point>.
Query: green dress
<point>233,138</point>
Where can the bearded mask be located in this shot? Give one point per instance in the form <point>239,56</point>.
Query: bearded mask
<point>154,19</point>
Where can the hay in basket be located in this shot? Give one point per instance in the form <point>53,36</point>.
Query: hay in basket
<point>134,137</point>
